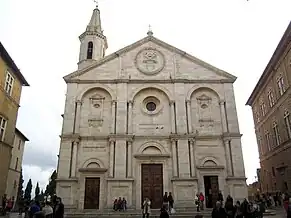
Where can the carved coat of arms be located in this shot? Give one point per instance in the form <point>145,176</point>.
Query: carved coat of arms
<point>150,61</point>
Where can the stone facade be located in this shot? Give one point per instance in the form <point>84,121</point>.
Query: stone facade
<point>15,164</point>
<point>271,105</point>
<point>149,103</point>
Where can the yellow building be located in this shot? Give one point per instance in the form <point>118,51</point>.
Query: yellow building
<point>15,164</point>
<point>11,82</point>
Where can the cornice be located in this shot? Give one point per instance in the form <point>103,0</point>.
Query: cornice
<point>270,68</point>
<point>67,179</point>
<point>131,137</point>
<point>139,81</point>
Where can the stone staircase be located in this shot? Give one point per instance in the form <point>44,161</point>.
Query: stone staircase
<point>180,213</point>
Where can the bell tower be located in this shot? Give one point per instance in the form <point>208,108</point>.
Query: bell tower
<point>93,42</point>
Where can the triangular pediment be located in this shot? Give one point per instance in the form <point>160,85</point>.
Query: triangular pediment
<point>186,66</point>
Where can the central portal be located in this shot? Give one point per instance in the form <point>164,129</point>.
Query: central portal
<point>211,190</point>
<point>152,184</point>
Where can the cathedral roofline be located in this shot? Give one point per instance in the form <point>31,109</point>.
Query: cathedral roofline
<point>146,39</point>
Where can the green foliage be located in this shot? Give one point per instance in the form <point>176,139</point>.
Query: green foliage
<point>37,191</point>
<point>27,192</point>
<point>20,188</point>
<point>51,187</point>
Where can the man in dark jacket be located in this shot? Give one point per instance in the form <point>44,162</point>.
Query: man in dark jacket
<point>59,208</point>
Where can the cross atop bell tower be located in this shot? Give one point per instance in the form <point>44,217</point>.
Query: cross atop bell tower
<point>93,42</point>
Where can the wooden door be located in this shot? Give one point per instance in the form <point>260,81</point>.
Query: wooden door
<point>152,184</point>
<point>214,188</point>
<point>92,193</point>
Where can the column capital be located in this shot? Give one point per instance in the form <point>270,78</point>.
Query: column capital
<point>112,140</point>
<point>226,140</point>
<point>222,102</point>
<point>174,139</point>
<point>129,140</point>
<point>171,102</point>
<point>188,101</point>
<point>113,102</point>
<point>79,102</point>
<point>130,103</point>
<point>192,140</point>
<point>76,141</point>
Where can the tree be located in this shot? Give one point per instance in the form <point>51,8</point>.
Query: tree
<point>20,188</point>
<point>37,191</point>
<point>27,192</point>
<point>51,187</point>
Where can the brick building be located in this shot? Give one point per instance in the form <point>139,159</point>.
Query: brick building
<point>271,106</point>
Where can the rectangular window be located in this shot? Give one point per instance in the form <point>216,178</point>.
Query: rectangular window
<point>281,86</point>
<point>19,144</point>
<point>260,145</point>
<point>288,123</point>
<point>3,124</point>
<point>276,134</point>
<point>9,83</point>
<point>16,164</point>
<point>271,99</point>
<point>268,142</point>
<point>273,171</point>
<point>263,108</point>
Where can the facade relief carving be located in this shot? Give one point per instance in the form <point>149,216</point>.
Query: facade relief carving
<point>204,110</point>
<point>150,61</point>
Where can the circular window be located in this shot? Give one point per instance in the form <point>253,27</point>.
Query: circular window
<point>151,106</point>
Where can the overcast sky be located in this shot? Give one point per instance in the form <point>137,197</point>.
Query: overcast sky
<point>238,36</point>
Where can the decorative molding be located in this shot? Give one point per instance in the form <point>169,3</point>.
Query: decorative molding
<point>210,167</point>
<point>67,179</point>
<point>229,178</point>
<point>221,102</point>
<point>169,137</point>
<point>120,179</point>
<point>151,86</point>
<point>151,156</point>
<point>171,103</point>
<point>177,179</point>
<point>91,170</point>
<point>79,102</point>
<point>157,81</point>
<point>96,86</point>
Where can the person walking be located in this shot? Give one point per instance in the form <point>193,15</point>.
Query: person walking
<point>146,208</point>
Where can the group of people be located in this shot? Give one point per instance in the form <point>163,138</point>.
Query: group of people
<point>7,204</point>
<point>120,204</point>
<point>245,209</point>
<point>36,209</point>
<point>166,209</point>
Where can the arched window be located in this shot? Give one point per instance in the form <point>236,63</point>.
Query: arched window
<point>90,50</point>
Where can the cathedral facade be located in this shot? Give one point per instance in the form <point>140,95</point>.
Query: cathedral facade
<point>145,120</point>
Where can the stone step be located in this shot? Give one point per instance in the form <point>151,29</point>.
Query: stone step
<point>137,214</point>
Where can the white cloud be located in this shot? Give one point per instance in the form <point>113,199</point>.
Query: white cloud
<point>36,174</point>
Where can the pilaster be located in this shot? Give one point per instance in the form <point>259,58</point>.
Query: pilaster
<point>78,116</point>
<point>113,115</point>
<point>130,105</point>
<point>189,117</point>
<point>223,116</point>
<point>173,120</point>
